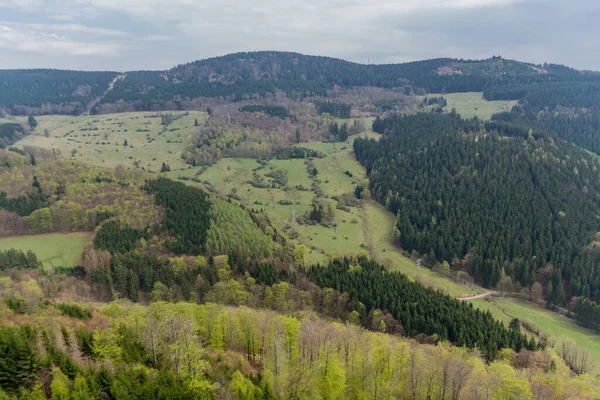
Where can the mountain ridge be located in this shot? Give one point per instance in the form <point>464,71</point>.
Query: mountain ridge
<point>239,76</point>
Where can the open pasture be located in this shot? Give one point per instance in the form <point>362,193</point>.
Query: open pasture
<point>54,249</point>
<point>472,104</point>
<point>134,140</point>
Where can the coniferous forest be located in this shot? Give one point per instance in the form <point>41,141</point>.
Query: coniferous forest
<point>418,309</point>
<point>491,204</point>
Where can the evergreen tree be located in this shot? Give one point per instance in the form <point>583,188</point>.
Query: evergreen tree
<point>32,122</point>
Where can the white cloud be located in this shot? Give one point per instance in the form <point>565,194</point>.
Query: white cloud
<point>27,5</point>
<point>67,28</point>
<point>359,30</point>
<point>51,44</point>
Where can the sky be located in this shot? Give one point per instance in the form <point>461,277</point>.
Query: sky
<point>125,35</point>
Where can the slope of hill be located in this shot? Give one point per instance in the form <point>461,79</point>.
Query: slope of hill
<point>247,75</point>
<point>244,75</point>
<point>189,351</point>
<point>46,91</point>
<point>504,202</point>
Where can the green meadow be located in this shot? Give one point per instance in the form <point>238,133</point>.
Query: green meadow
<point>100,139</point>
<point>473,104</point>
<point>54,249</point>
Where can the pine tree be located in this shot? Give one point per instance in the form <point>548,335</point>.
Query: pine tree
<point>32,122</point>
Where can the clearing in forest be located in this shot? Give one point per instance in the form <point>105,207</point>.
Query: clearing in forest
<point>472,104</point>
<point>54,249</point>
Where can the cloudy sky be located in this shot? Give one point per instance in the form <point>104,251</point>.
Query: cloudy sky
<point>158,34</point>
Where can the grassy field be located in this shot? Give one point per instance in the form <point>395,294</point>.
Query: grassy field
<point>473,104</point>
<point>485,305</point>
<point>381,225</point>
<point>99,139</point>
<point>368,228</point>
<point>554,324</point>
<point>54,250</point>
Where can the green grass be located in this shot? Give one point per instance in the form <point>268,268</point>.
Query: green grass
<point>361,229</point>
<point>99,139</point>
<point>554,324</point>
<point>54,250</point>
<point>380,223</point>
<point>485,305</point>
<point>473,104</point>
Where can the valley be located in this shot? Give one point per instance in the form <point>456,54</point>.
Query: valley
<point>270,225</point>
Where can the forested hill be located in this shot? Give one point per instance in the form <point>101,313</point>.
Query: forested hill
<point>248,75</point>
<point>493,199</point>
<point>48,91</point>
<point>244,75</point>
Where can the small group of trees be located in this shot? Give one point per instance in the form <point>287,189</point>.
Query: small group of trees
<point>321,212</point>
<point>17,259</point>
<point>440,101</point>
<point>337,110</point>
<point>289,153</point>
<point>273,111</point>
<point>587,313</point>
<point>339,132</point>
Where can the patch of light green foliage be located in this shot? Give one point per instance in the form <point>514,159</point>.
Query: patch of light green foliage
<point>232,230</point>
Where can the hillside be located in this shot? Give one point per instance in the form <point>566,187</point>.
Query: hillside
<point>491,200</point>
<point>41,91</point>
<point>244,75</point>
<point>250,75</point>
<point>188,351</point>
<point>272,225</point>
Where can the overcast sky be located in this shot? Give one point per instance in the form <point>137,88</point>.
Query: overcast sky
<point>158,34</point>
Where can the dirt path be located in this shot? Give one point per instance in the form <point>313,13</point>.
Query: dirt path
<point>479,296</point>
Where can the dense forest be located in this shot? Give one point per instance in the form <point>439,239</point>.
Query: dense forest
<point>248,75</point>
<point>244,76</point>
<point>570,111</point>
<point>43,91</point>
<point>187,351</point>
<point>503,208</point>
<point>46,194</point>
<point>419,309</point>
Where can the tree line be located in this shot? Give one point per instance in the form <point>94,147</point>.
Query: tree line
<point>43,91</point>
<point>418,309</point>
<point>337,110</point>
<point>18,259</point>
<point>187,351</point>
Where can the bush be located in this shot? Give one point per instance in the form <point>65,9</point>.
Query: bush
<point>74,311</point>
